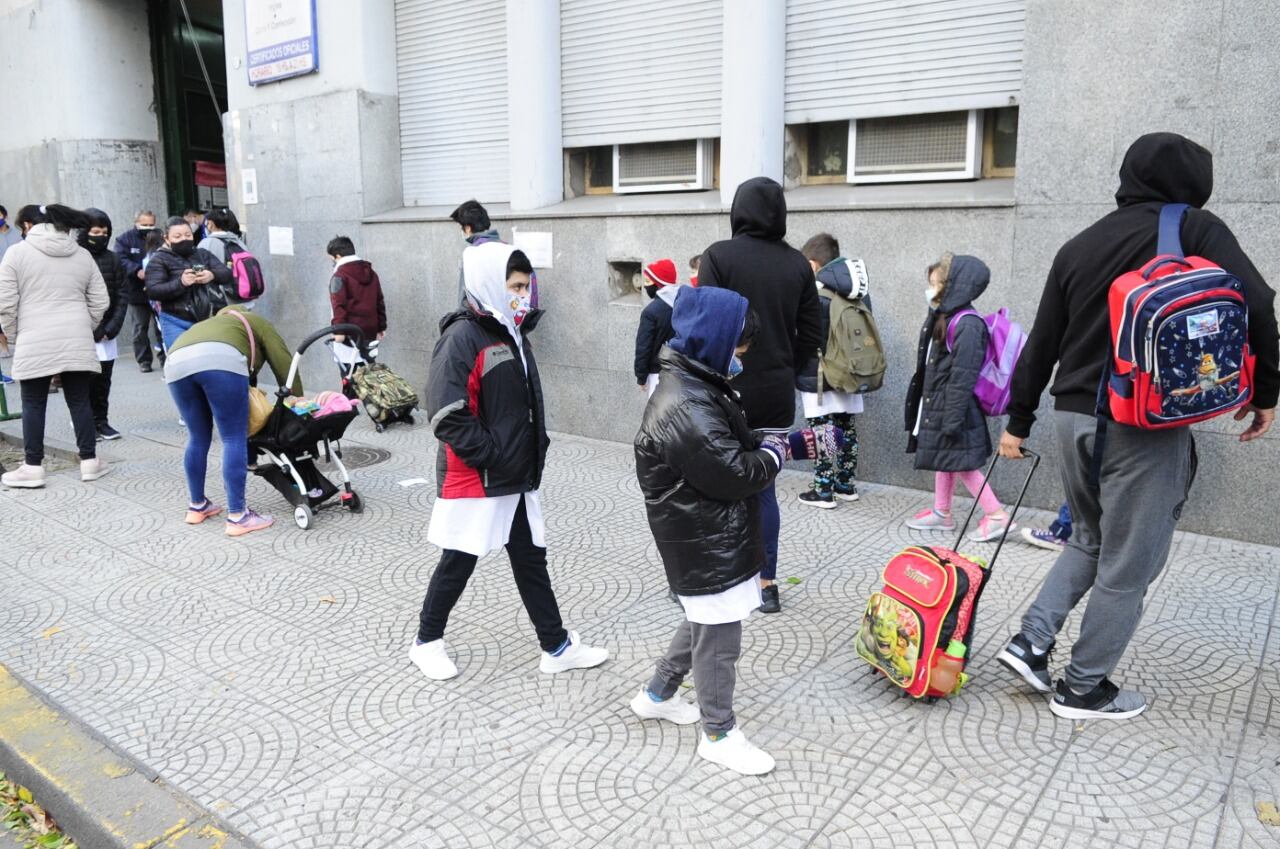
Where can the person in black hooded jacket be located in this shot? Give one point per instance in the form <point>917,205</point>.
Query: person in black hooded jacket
<point>1124,520</point>
<point>777,282</point>
<point>95,239</point>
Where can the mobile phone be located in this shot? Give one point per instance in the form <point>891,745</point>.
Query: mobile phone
<point>197,268</point>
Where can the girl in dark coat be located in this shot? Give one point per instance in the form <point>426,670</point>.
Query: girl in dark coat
<point>948,429</point>
<point>95,240</point>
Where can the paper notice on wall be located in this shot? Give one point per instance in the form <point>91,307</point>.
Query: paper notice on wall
<point>536,246</point>
<point>280,241</point>
<point>249,185</point>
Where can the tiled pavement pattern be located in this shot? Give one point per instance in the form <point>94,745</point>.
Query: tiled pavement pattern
<point>267,675</point>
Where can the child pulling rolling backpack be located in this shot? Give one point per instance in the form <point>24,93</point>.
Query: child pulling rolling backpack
<point>917,630</point>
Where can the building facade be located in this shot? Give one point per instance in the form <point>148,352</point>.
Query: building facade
<point>905,129</point>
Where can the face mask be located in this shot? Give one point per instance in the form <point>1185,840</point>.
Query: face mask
<point>929,295</point>
<point>735,367</point>
<point>1,220</point>
<point>519,306</point>
<point>651,290</point>
<point>186,247</point>
<point>145,230</point>
<point>96,244</point>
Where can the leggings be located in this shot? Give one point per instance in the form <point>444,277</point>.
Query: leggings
<point>204,398</point>
<point>944,486</point>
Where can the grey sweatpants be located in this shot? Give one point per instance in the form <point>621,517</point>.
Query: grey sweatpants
<point>711,651</point>
<point>1123,531</point>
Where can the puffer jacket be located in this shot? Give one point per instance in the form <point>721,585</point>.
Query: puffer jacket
<point>51,299</point>
<point>836,277</point>
<point>698,462</point>
<point>112,272</point>
<point>953,434</point>
<point>189,303</point>
<point>485,409</point>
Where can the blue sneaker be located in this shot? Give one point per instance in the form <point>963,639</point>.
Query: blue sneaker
<point>1041,538</point>
<point>4,378</point>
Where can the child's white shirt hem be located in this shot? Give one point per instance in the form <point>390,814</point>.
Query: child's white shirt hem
<point>832,402</point>
<point>481,525</point>
<point>732,605</point>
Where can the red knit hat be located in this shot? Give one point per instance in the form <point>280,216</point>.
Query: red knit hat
<point>661,273</point>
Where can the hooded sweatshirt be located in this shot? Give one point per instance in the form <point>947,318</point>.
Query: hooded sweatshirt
<point>1072,326</point>
<point>51,299</point>
<point>355,293</point>
<point>777,282</point>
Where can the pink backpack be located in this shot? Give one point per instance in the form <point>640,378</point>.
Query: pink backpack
<point>1005,340</point>
<point>247,272</point>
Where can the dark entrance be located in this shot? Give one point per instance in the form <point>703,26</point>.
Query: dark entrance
<point>190,116</point>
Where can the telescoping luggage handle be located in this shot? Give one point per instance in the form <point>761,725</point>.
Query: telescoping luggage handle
<point>1035,464</point>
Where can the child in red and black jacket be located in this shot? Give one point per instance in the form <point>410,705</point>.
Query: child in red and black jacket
<point>355,292</point>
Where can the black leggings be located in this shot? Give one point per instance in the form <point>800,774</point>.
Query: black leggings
<point>100,393</point>
<point>35,398</point>
<point>528,565</point>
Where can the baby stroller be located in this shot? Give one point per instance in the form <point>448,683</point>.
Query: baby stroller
<point>285,451</point>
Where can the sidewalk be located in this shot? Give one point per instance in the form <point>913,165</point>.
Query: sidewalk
<point>267,676</point>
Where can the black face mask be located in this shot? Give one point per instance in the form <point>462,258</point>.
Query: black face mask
<point>96,244</point>
<point>652,290</point>
<point>186,247</point>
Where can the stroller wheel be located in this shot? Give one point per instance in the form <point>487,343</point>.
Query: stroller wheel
<point>408,418</point>
<point>302,516</point>
<point>379,427</point>
<point>355,504</point>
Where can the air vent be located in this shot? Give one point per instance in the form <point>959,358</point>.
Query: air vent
<point>942,146</point>
<point>663,166</point>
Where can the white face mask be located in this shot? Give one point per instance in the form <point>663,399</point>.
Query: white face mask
<point>930,295</point>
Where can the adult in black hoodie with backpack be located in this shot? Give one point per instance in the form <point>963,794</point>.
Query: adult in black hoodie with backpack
<point>777,282</point>
<point>1125,519</point>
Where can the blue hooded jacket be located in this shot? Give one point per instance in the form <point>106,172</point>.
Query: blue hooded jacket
<point>708,324</point>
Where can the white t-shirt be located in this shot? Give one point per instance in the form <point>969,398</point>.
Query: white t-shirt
<point>481,525</point>
<point>732,605</point>
<point>832,402</point>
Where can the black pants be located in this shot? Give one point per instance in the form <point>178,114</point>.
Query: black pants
<point>100,392</point>
<point>35,398</point>
<point>528,565</point>
<point>144,323</point>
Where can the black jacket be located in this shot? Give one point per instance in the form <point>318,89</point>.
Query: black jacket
<point>953,433</point>
<point>189,303</point>
<point>836,277</point>
<point>1072,327</point>
<point>777,281</point>
<point>131,249</point>
<point>485,409</point>
<point>654,332</point>
<point>699,466</point>
<point>113,275</point>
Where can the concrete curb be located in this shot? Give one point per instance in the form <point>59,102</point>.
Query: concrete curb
<point>98,797</point>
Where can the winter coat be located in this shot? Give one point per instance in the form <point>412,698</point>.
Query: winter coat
<point>355,293</point>
<point>131,248</point>
<point>778,282</point>
<point>113,276</point>
<point>953,434</point>
<point>698,462</point>
<point>832,277</point>
<point>51,298</point>
<point>189,303</point>
<point>1072,326</point>
<point>654,332</point>
<point>485,408</point>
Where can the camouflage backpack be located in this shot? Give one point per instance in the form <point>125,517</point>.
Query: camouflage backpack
<point>384,393</point>
<point>854,358</point>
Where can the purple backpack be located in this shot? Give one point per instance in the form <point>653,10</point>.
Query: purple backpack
<point>1005,339</point>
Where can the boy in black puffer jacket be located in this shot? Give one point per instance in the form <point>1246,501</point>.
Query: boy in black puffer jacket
<point>95,240</point>
<point>700,467</point>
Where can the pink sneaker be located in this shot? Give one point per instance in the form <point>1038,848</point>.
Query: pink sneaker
<point>196,515</point>
<point>992,528</point>
<point>931,520</point>
<point>248,523</point>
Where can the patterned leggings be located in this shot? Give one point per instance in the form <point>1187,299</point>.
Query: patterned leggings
<point>842,470</point>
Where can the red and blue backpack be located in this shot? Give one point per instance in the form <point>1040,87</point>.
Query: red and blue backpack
<point>1179,339</point>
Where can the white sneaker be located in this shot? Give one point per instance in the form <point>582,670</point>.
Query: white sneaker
<point>433,660</point>
<point>91,470</point>
<point>737,753</point>
<point>577,656</point>
<point>674,709</point>
<point>24,477</point>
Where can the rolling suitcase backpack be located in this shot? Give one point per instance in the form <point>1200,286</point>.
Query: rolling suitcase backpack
<point>918,628</point>
<point>387,397</point>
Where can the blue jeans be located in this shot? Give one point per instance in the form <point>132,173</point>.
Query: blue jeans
<point>1062,527</point>
<point>770,525</point>
<point>171,327</point>
<point>222,397</point>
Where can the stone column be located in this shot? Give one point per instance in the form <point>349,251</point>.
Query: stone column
<point>533,103</point>
<point>751,122</point>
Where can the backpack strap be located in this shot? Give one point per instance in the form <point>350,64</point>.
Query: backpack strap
<point>954,321</point>
<point>1169,242</point>
<point>253,346</point>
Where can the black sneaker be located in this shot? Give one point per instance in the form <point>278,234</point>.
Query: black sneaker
<point>107,432</point>
<point>813,498</point>
<point>846,493</point>
<point>1032,667</point>
<point>145,368</point>
<point>771,602</point>
<point>1105,701</point>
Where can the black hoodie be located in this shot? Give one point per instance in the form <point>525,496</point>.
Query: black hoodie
<point>777,282</point>
<point>113,276</point>
<point>1072,326</point>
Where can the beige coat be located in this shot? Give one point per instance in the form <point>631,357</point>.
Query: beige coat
<point>51,298</point>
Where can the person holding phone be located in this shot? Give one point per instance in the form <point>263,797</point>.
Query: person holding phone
<point>187,282</point>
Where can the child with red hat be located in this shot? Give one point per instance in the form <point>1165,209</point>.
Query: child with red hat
<point>655,330</point>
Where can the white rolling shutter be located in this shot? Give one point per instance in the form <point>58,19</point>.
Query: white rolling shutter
<point>639,71</point>
<point>451,59</point>
<point>875,58</point>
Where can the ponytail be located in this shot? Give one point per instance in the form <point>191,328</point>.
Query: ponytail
<point>63,218</point>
